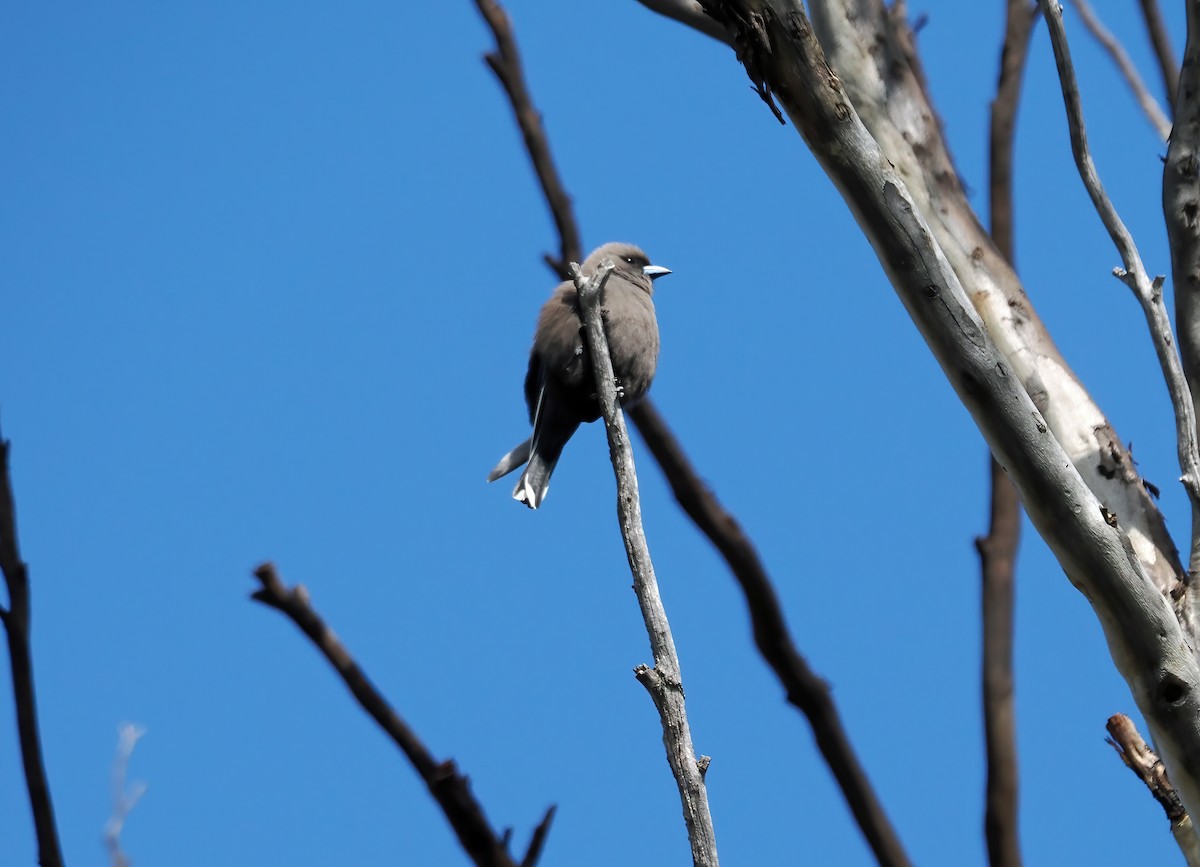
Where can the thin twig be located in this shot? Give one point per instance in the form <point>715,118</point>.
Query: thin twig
<point>1120,57</point>
<point>1147,767</point>
<point>505,62</point>
<point>1148,292</point>
<point>998,550</point>
<point>806,690</point>
<point>449,788</point>
<point>1160,40</point>
<point>663,681</point>
<point>16,620</point>
<point>124,798</point>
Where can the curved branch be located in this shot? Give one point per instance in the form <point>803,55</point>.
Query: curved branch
<point>1116,51</point>
<point>664,681</point>
<point>449,788</point>
<point>505,62</point>
<point>16,620</point>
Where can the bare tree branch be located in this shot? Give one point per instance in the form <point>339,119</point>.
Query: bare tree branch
<point>867,46</point>
<point>505,62</point>
<point>1148,292</point>
<point>1117,51</point>
<point>449,788</point>
<point>16,620</point>
<point>997,554</point>
<point>664,681</point>
<point>1147,767</point>
<point>806,690</point>
<point>998,550</point>
<point>1181,207</point>
<point>124,798</point>
<point>1160,40</point>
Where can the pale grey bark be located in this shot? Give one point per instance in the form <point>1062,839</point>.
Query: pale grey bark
<point>664,681</point>
<point>867,118</point>
<point>875,64</point>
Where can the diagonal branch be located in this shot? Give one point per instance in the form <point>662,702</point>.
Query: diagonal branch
<point>505,62</point>
<point>866,44</point>
<point>806,690</point>
<point>1160,41</point>
<point>449,788</point>
<point>1116,50</point>
<point>16,620</point>
<point>664,681</point>
<point>1148,292</point>
<point>998,550</point>
<point>1148,767</point>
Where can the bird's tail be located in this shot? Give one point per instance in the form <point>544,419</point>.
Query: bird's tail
<point>550,435</point>
<point>534,483</point>
<point>511,461</point>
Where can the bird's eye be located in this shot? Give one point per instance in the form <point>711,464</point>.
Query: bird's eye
<point>629,259</point>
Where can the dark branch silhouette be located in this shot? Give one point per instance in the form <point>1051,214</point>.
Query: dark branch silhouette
<point>16,622</point>
<point>449,788</point>
<point>505,62</point>
<point>998,550</point>
<point>807,691</point>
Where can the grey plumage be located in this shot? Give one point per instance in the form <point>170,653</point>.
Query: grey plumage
<point>560,388</point>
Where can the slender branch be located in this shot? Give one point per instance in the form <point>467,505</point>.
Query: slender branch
<point>449,788</point>
<point>1160,40</point>
<point>1181,207</point>
<point>1147,767</point>
<point>1148,292</point>
<point>998,550</point>
<point>664,681</point>
<point>997,555</point>
<point>1116,50</point>
<point>16,619</point>
<point>505,62</point>
<point>806,690</point>
<point>124,798</point>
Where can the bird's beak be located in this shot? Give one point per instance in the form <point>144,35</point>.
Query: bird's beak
<point>655,271</point>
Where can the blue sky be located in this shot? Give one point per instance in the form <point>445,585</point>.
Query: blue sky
<point>270,272</point>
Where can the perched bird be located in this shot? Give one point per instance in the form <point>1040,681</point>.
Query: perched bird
<point>560,388</point>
